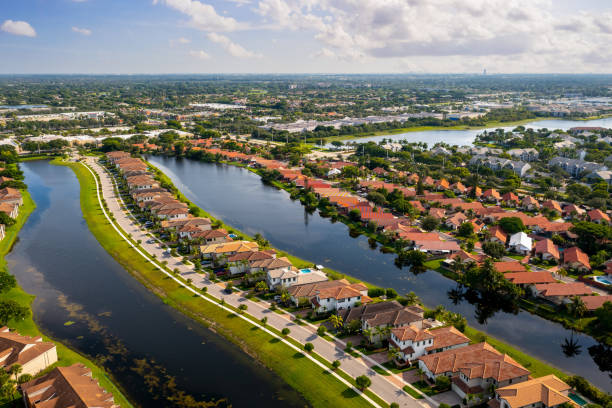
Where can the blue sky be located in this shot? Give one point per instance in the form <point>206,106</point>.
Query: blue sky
<point>203,36</point>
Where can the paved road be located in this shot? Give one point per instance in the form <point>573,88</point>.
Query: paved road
<point>388,387</point>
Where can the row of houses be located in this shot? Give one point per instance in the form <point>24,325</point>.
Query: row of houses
<point>61,387</point>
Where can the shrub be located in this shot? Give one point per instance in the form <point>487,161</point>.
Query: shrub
<point>391,293</point>
<point>394,405</point>
<point>363,382</point>
<point>443,405</point>
<point>285,332</point>
<point>264,320</point>
<point>375,292</point>
<point>308,347</point>
<point>443,382</point>
<point>336,364</point>
<point>321,331</point>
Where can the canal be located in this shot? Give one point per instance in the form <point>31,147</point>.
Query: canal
<point>86,300</point>
<point>466,137</point>
<point>240,199</point>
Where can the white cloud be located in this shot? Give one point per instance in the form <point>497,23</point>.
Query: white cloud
<point>240,2</point>
<point>202,16</point>
<point>18,28</point>
<point>199,54</point>
<point>84,31</point>
<point>183,40</point>
<point>232,48</point>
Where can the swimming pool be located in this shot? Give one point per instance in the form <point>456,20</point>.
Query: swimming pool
<point>306,270</point>
<point>602,279</point>
<point>577,399</point>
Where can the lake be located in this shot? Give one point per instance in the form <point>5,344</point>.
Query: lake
<point>86,300</point>
<point>240,199</point>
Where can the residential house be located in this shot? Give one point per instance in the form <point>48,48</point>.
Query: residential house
<point>543,392</point>
<point>526,155</point>
<point>546,250</point>
<point>529,203</point>
<point>220,252</point>
<point>412,342</point>
<point>289,276</point>
<point>593,303</point>
<point>497,234</point>
<point>71,386</point>
<point>455,221</point>
<point>186,227</point>
<point>552,205</point>
<point>242,261</point>
<point>212,236</point>
<point>598,216</point>
<point>510,199</point>
<point>520,243</point>
<point>31,353</point>
<point>520,168</point>
<point>11,196</point>
<point>575,258</point>
<point>438,213</point>
<point>561,292</point>
<point>437,247</point>
<point>529,280</point>
<point>509,266</point>
<point>458,188</point>
<point>303,294</point>
<point>338,298</point>
<point>473,369</point>
<point>572,210</point>
<point>377,318</point>
<point>575,167</point>
<point>143,182</point>
<point>12,210</point>
<point>491,195</point>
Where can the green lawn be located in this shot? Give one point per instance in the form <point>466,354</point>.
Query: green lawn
<point>313,382</point>
<point>27,326</point>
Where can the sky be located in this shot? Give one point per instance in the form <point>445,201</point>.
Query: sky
<point>307,36</point>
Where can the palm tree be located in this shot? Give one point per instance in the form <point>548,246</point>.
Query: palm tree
<point>367,334</point>
<point>15,370</point>
<point>420,373</point>
<point>285,297</point>
<point>394,353</point>
<point>577,307</point>
<point>336,321</point>
<point>412,298</point>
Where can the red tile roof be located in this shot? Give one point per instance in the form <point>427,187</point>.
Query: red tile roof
<point>575,254</point>
<point>546,246</point>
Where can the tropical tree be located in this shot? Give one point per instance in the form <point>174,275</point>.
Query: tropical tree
<point>577,307</point>
<point>336,321</point>
<point>363,382</point>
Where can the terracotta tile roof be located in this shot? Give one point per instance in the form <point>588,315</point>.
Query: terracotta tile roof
<point>18,349</point>
<point>272,263</point>
<point>548,390</point>
<point>564,289</point>
<point>552,205</point>
<point>546,246</point>
<point>530,278</point>
<point>475,361</point>
<point>458,186</point>
<point>509,266</point>
<point>71,387</point>
<point>310,290</point>
<point>235,246</point>
<point>437,212</point>
<point>491,193</point>
<point>575,254</point>
<point>417,205</point>
<point>411,333</point>
<point>598,215</point>
<point>446,337</point>
<point>457,219</point>
<point>342,292</point>
<point>420,236</point>
<point>595,302</point>
<point>396,317</point>
<point>497,232</point>
<point>510,196</point>
<point>249,256</point>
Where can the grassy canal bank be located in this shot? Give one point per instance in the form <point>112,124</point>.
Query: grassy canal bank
<point>313,382</point>
<point>27,326</point>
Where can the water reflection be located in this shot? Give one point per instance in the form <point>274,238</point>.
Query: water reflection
<point>240,198</point>
<point>85,299</point>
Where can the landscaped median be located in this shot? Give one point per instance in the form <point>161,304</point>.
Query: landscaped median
<point>27,326</point>
<point>305,372</point>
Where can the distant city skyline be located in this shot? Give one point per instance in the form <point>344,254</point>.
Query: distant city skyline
<point>309,36</point>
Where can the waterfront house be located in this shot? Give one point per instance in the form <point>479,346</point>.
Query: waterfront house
<point>70,387</point>
<point>561,292</point>
<point>412,342</point>
<point>270,265</point>
<point>220,252</point>
<point>304,293</point>
<point>436,247</point>
<point>290,276</point>
<point>377,318</point>
<point>33,354</point>
<point>12,210</point>
<point>593,303</point>
<point>187,226</point>
<point>142,182</point>
<point>241,262</point>
<point>113,157</point>
<point>528,280</point>
<point>543,392</point>
<point>11,196</point>
<point>473,369</point>
<point>575,258</point>
<point>330,299</point>
<point>212,236</point>
<point>520,243</point>
<point>509,266</point>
